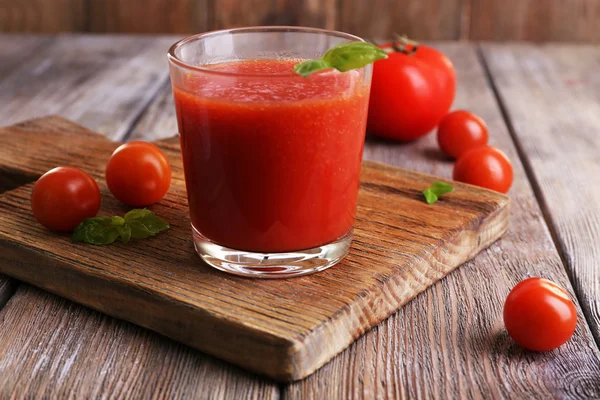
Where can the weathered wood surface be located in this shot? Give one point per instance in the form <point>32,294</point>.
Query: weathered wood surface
<point>104,82</point>
<point>99,357</point>
<point>25,62</point>
<point>42,16</point>
<point>233,13</point>
<point>460,349</point>
<point>158,120</point>
<point>7,289</point>
<point>450,342</point>
<point>13,53</point>
<point>424,19</point>
<point>284,329</point>
<point>148,16</point>
<point>550,94</point>
<point>535,20</point>
<point>52,348</point>
<point>414,354</point>
<point>15,49</point>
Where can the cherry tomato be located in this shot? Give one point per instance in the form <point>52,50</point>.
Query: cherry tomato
<point>460,131</point>
<point>411,91</point>
<point>63,197</point>
<point>484,166</point>
<point>539,315</point>
<point>138,174</point>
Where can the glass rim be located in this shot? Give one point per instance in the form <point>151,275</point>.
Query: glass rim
<point>251,29</point>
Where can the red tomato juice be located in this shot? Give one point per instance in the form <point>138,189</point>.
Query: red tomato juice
<point>271,159</point>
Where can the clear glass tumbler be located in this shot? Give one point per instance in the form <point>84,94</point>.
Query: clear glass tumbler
<point>271,159</point>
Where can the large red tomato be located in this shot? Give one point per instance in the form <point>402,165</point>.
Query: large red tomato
<point>412,90</point>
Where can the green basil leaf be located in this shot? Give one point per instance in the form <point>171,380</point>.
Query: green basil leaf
<point>144,223</point>
<point>97,230</point>
<point>137,213</point>
<point>124,233</point>
<point>435,190</point>
<point>430,197</point>
<point>353,55</point>
<point>343,57</point>
<point>308,67</point>
<point>440,188</point>
<point>137,224</point>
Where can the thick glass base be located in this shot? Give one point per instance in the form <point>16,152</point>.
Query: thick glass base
<point>271,265</point>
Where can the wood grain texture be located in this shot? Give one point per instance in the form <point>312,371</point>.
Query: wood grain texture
<point>42,16</point>
<point>317,13</point>
<point>34,80</point>
<point>423,20</point>
<point>16,49</point>
<point>284,329</point>
<point>148,16</point>
<point>535,20</point>
<point>103,82</point>
<point>158,120</point>
<point>51,348</point>
<point>7,289</point>
<point>450,341</point>
<point>550,94</point>
<point>462,349</point>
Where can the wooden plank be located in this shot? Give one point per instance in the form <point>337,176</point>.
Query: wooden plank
<point>158,120</point>
<point>550,94</point>
<point>63,350</point>
<point>52,348</point>
<point>317,13</point>
<point>535,20</point>
<point>397,333</point>
<point>14,51</point>
<point>7,289</point>
<point>284,329</point>
<point>450,341</point>
<point>421,20</point>
<point>104,82</point>
<point>148,16</point>
<point>207,376</point>
<point>42,16</point>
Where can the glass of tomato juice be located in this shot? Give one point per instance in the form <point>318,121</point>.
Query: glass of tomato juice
<point>271,159</point>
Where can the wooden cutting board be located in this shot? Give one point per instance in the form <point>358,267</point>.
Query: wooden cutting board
<point>284,329</point>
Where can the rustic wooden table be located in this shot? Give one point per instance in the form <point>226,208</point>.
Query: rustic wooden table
<point>542,107</point>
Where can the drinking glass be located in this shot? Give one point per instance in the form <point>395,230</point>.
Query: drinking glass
<point>271,159</point>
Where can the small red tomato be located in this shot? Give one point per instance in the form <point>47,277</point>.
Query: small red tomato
<point>539,315</point>
<point>460,131</point>
<point>63,197</point>
<point>411,91</point>
<point>138,174</point>
<point>484,166</point>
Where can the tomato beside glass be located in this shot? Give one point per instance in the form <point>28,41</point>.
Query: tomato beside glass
<point>138,174</point>
<point>63,197</point>
<point>460,131</point>
<point>484,166</point>
<point>411,91</point>
<point>539,315</point>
